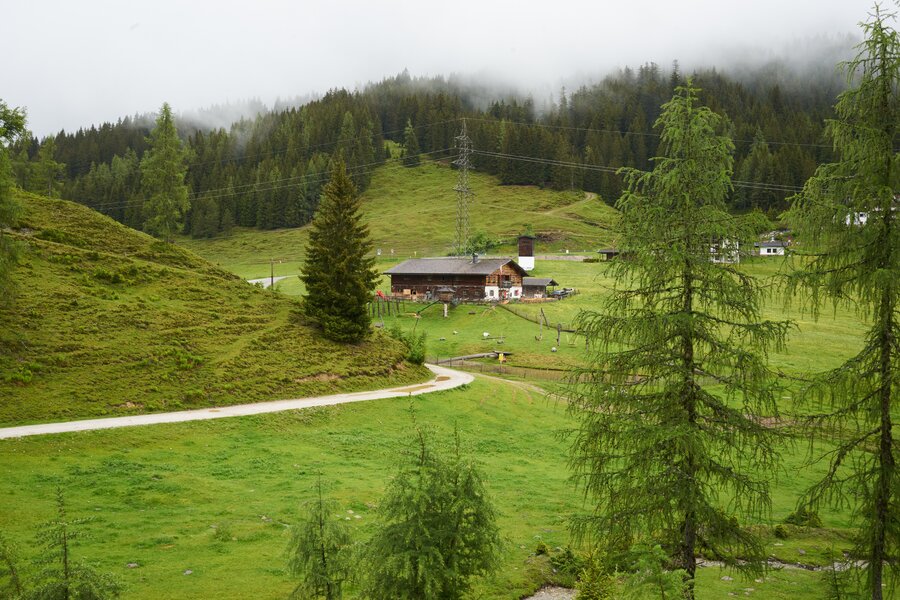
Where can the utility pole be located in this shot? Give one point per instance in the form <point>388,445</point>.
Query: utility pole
<point>463,193</point>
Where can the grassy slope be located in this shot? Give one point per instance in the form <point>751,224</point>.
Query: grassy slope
<point>412,211</point>
<point>110,321</point>
<point>193,476</point>
<point>216,497</point>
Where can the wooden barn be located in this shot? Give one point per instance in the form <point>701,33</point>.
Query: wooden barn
<point>536,287</point>
<point>472,279</point>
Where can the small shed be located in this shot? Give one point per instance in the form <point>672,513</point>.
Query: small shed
<point>536,287</point>
<point>445,294</point>
<point>608,253</point>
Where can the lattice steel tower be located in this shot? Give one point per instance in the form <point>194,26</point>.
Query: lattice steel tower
<point>463,193</point>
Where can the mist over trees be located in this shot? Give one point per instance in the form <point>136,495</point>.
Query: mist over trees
<point>267,172</point>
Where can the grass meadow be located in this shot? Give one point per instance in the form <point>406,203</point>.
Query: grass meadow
<point>412,212</point>
<point>204,509</point>
<point>217,498</point>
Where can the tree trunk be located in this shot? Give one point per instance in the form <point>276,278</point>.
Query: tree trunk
<point>689,531</point>
<point>886,307</point>
<point>885,450</point>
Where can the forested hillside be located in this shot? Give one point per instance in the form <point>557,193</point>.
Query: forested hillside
<point>267,172</point>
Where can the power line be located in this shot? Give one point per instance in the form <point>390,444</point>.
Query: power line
<point>358,170</point>
<point>608,169</point>
<point>641,133</point>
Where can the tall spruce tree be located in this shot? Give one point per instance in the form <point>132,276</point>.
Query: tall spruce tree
<point>162,178</point>
<point>847,218</point>
<point>318,550</point>
<point>47,172</point>
<point>669,405</point>
<point>12,125</point>
<point>339,270</point>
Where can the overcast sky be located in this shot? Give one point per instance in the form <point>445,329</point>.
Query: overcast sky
<point>74,63</point>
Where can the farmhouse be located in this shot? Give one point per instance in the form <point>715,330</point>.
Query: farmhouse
<point>771,248</point>
<point>472,279</point>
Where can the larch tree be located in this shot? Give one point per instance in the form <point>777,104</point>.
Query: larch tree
<point>12,125</point>
<point>671,447</point>
<point>339,270</point>
<point>438,528</point>
<point>846,218</point>
<point>318,553</point>
<point>62,577</point>
<point>411,149</point>
<point>163,171</point>
<point>10,581</point>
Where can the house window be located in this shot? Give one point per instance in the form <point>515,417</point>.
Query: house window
<point>491,293</point>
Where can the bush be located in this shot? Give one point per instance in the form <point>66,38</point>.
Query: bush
<point>108,276</point>
<point>568,563</point>
<point>781,532</point>
<point>480,243</point>
<point>415,344</point>
<point>541,549</point>
<point>802,517</point>
<point>21,376</point>
<point>595,583</point>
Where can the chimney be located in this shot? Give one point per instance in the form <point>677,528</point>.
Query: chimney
<point>474,258</point>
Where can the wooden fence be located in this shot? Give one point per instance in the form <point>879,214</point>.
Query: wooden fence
<point>502,369</point>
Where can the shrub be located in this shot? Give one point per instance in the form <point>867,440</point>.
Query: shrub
<point>568,563</point>
<point>415,343</point>
<point>595,583</point>
<point>802,517</point>
<point>108,276</point>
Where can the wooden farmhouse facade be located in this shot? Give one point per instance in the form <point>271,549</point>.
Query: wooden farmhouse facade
<point>463,279</point>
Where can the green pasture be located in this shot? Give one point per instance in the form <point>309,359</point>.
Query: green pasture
<point>216,498</point>
<point>411,212</point>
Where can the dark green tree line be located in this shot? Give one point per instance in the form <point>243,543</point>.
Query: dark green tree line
<point>276,158</point>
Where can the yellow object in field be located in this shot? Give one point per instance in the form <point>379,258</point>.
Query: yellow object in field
<point>501,357</point>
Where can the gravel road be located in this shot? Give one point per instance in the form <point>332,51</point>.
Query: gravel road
<point>444,379</point>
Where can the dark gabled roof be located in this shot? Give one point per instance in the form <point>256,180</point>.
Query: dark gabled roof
<point>452,266</point>
<point>771,244</point>
<point>538,281</point>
